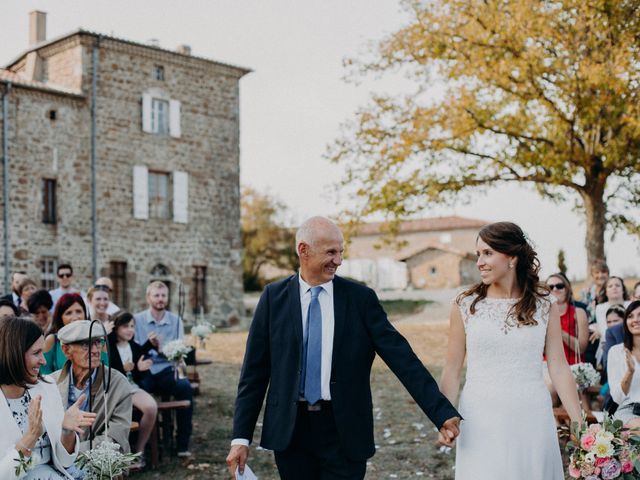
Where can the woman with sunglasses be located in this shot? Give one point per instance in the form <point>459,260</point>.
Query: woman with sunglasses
<point>69,308</point>
<point>574,323</point>
<point>623,369</point>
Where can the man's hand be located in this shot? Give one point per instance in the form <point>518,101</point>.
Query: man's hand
<point>237,457</point>
<point>449,431</point>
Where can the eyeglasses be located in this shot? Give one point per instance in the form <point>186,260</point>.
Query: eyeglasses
<point>98,342</point>
<point>65,275</point>
<point>557,286</point>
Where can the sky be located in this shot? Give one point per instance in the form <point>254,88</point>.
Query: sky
<point>294,103</point>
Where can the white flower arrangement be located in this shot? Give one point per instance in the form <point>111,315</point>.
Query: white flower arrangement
<point>585,375</point>
<point>176,350</point>
<point>202,330</point>
<point>105,461</point>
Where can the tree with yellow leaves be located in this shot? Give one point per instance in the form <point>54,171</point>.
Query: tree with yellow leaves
<point>542,92</point>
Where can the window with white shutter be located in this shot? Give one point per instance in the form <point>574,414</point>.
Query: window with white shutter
<point>140,192</point>
<point>174,118</point>
<point>180,197</point>
<point>146,113</point>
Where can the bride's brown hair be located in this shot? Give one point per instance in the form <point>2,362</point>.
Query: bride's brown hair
<point>509,239</point>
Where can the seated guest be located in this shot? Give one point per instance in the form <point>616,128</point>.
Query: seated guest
<point>83,363</point>
<point>107,284</point>
<point>158,322</point>
<point>128,357</point>
<point>8,309</point>
<point>25,290</point>
<point>615,330</point>
<point>636,292</point>
<point>615,294</point>
<point>69,308</point>
<point>623,368</point>
<point>98,298</point>
<point>35,424</point>
<point>39,306</point>
<point>16,278</point>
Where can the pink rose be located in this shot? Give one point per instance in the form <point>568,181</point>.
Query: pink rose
<point>627,467</point>
<point>575,472</point>
<point>587,441</point>
<point>600,461</point>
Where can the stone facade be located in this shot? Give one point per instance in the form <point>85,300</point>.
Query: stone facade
<point>200,165</point>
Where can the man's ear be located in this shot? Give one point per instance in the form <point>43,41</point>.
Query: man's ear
<point>303,249</point>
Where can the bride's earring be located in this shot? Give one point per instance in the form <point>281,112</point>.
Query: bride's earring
<point>510,266</point>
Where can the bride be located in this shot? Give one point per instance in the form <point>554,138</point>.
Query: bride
<point>504,325</point>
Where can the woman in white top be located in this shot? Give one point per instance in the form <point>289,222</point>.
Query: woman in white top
<point>623,368</point>
<point>35,427</point>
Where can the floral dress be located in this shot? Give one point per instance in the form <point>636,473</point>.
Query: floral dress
<point>41,460</point>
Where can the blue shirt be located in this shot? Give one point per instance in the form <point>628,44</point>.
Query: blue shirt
<point>75,393</point>
<point>168,329</point>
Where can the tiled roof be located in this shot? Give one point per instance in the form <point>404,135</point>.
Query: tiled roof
<point>433,224</point>
<point>17,79</point>
<point>81,31</point>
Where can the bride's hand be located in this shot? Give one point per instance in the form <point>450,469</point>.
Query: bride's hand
<point>449,431</point>
<point>443,441</point>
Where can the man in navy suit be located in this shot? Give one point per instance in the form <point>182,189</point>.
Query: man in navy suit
<point>311,344</point>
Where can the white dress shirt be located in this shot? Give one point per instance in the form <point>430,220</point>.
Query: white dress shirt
<point>325,298</point>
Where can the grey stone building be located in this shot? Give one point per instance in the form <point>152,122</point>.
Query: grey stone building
<point>123,159</point>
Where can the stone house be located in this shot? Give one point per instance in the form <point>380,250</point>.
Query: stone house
<point>122,158</point>
<point>438,252</point>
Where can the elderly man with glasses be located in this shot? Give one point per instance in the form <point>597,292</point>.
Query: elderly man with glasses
<point>84,368</point>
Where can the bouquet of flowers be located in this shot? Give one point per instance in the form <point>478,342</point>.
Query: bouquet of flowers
<point>175,350</point>
<point>105,461</point>
<point>201,331</point>
<point>604,451</point>
<point>585,375</point>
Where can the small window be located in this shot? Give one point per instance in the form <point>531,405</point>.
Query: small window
<point>158,73</point>
<point>433,271</point>
<point>160,116</point>
<point>53,115</point>
<point>199,290</point>
<point>118,275</point>
<point>159,201</point>
<point>49,201</point>
<point>48,269</point>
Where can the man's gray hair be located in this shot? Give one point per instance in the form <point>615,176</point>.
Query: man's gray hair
<point>308,231</point>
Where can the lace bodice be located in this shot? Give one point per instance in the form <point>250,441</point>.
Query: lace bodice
<point>500,351</point>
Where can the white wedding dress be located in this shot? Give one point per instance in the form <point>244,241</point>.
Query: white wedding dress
<point>508,431</point>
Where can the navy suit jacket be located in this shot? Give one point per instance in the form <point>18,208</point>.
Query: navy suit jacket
<point>273,360</point>
<point>614,336</point>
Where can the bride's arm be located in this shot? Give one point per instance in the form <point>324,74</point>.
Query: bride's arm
<point>456,351</point>
<point>559,370</point>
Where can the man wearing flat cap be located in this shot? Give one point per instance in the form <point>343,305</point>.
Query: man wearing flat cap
<point>73,381</point>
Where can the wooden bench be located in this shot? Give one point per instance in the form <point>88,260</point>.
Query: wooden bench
<point>563,417</point>
<point>165,421</point>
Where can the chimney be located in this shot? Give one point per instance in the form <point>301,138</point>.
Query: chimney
<point>37,27</point>
<point>184,49</point>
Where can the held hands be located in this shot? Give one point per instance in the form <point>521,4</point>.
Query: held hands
<point>449,432</point>
<point>75,419</point>
<point>237,457</point>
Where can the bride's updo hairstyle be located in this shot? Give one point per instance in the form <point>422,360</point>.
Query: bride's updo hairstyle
<point>509,239</point>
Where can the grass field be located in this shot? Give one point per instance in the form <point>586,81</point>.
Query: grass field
<point>406,442</point>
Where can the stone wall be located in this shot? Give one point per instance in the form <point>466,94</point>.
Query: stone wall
<point>207,150</point>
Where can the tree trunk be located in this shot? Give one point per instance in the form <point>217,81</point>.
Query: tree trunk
<point>595,210</point>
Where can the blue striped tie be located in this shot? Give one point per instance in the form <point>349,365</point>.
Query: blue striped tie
<point>312,373</point>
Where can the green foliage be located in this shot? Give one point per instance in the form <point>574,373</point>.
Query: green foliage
<point>546,93</point>
<point>265,240</point>
<point>403,307</point>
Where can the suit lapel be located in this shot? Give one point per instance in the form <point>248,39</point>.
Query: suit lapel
<point>339,318</point>
<point>295,310</point>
